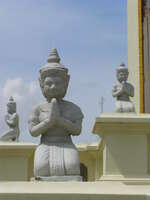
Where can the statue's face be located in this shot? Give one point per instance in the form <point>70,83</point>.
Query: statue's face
<point>11,108</point>
<point>54,87</point>
<point>122,76</point>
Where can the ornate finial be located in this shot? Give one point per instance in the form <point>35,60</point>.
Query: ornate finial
<point>54,57</point>
<point>122,64</point>
<point>53,66</point>
<point>122,67</point>
<point>11,99</point>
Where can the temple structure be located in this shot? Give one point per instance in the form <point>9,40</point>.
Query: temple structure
<point>117,167</point>
<point>139,52</point>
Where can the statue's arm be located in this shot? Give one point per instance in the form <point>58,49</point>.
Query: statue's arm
<point>129,90</point>
<point>116,91</point>
<point>13,120</point>
<point>73,127</point>
<point>36,127</point>
<point>7,120</point>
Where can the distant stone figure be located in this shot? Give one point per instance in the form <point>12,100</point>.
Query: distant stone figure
<point>123,91</point>
<point>12,120</point>
<point>56,158</point>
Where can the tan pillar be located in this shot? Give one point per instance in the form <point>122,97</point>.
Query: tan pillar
<point>125,155</point>
<point>134,54</point>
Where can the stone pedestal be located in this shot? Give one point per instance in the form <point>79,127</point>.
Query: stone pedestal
<point>16,161</point>
<point>126,146</point>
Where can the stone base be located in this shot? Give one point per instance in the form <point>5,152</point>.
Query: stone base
<point>57,178</point>
<point>130,180</point>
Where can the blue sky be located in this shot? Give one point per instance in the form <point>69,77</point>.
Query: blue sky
<point>91,38</point>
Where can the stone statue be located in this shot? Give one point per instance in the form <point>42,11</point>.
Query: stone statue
<point>12,120</point>
<point>56,158</point>
<point>123,91</point>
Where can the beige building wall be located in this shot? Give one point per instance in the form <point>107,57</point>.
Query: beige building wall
<point>16,160</point>
<point>133,49</point>
<point>91,156</point>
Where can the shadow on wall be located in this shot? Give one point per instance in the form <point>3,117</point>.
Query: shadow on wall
<point>84,172</point>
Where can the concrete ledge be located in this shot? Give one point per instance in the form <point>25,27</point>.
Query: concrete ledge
<point>73,191</point>
<point>17,145</point>
<point>124,117</point>
<point>16,161</point>
<point>87,147</point>
<point>126,122</point>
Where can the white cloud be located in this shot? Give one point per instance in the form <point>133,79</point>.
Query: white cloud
<point>18,89</point>
<point>13,88</point>
<point>32,87</point>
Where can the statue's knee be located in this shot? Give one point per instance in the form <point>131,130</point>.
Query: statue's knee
<point>41,163</point>
<point>72,164</point>
<point>72,169</point>
<point>41,168</point>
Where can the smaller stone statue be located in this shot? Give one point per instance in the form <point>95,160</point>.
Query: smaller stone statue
<point>12,120</point>
<point>123,91</point>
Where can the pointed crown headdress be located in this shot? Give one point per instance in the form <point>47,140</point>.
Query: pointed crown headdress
<point>11,101</point>
<point>53,67</point>
<point>122,68</point>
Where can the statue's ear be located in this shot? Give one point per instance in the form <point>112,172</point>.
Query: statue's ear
<point>67,80</point>
<point>41,82</point>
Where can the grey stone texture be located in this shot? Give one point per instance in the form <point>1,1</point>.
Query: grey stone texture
<point>12,120</point>
<point>122,91</point>
<point>56,158</point>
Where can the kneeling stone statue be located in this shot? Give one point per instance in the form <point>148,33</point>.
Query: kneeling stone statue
<point>12,120</point>
<point>123,91</point>
<point>56,158</point>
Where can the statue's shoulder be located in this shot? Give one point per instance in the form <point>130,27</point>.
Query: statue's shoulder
<point>115,86</point>
<point>37,108</point>
<point>73,109</point>
<point>130,84</point>
<point>15,115</point>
